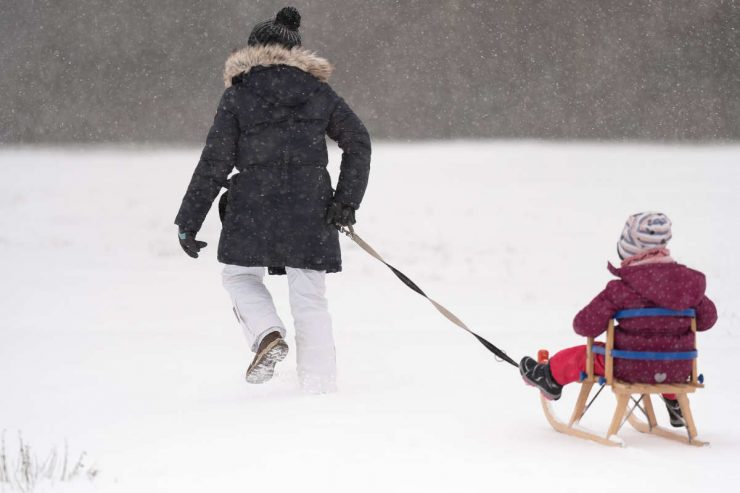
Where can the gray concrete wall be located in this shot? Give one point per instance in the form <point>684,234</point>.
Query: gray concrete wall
<point>150,70</point>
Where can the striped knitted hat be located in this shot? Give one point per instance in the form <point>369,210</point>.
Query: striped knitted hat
<point>283,30</point>
<point>644,231</point>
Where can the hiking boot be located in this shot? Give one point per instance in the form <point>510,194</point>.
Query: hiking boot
<point>272,350</point>
<point>674,412</point>
<point>538,375</point>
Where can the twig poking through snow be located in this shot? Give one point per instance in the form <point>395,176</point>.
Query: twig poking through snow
<point>30,470</point>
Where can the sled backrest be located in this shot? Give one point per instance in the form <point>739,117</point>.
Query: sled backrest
<point>610,353</point>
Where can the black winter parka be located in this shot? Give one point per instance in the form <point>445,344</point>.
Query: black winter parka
<point>271,125</point>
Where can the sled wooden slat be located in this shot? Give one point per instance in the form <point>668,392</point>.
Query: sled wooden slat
<point>581,402</point>
<point>609,362</point>
<point>648,404</point>
<point>641,388</point>
<point>694,365</point>
<point>619,411</point>
<point>590,359</point>
<point>683,401</point>
<point>569,429</point>
<point>661,432</point>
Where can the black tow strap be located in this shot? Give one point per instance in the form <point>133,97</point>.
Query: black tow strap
<point>349,231</point>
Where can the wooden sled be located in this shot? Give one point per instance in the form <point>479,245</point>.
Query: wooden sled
<point>631,397</point>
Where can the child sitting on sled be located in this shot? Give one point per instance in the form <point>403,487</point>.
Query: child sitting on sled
<point>648,277</point>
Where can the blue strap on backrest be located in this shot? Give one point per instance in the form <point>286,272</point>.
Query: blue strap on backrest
<point>654,312</point>
<point>651,355</point>
<point>648,355</point>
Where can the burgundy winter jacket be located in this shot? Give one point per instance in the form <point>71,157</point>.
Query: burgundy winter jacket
<point>667,285</point>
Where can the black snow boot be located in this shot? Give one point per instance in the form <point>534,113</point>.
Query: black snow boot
<point>538,375</point>
<point>272,350</point>
<point>674,412</point>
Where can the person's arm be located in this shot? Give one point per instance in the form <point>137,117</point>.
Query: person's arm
<point>706,314</point>
<point>350,134</point>
<point>592,320</point>
<point>216,162</point>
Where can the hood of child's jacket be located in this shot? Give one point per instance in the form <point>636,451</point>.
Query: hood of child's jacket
<point>673,285</point>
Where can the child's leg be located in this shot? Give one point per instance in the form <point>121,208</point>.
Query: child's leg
<point>252,302</point>
<point>566,365</point>
<point>313,330</point>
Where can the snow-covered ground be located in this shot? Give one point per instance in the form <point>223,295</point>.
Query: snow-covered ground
<point>112,338</point>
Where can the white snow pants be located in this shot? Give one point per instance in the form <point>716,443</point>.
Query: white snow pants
<point>257,316</point>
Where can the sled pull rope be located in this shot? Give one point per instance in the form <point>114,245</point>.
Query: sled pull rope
<point>350,232</point>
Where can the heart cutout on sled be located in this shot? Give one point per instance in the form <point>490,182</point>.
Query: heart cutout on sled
<point>660,377</point>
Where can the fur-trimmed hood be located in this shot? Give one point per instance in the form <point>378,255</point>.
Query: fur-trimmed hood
<point>243,60</point>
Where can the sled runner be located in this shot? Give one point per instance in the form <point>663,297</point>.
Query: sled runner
<point>636,394</point>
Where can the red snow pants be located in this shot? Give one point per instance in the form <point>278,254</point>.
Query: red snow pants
<point>566,365</point>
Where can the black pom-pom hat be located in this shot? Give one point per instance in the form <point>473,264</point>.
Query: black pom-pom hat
<point>282,30</point>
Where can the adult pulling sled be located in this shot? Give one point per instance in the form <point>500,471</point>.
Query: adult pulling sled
<point>635,393</point>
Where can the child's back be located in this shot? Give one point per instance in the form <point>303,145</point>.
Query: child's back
<point>653,281</point>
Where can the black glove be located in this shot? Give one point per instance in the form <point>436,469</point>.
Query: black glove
<point>339,214</point>
<point>189,243</point>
